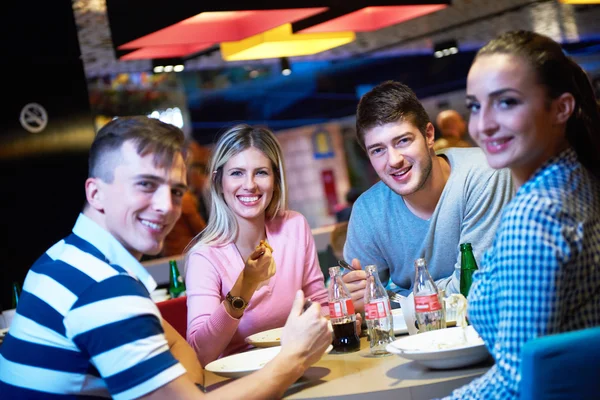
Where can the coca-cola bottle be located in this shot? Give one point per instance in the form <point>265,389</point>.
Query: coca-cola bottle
<point>428,306</point>
<point>378,313</point>
<point>341,314</point>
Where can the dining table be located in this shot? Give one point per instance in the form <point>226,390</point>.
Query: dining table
<point>360,375</point>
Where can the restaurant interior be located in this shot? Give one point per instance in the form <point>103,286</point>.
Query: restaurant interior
<point>207,65</point>
<point>90,63</point>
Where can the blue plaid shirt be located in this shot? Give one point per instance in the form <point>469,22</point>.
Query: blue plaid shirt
<point>542,274</point>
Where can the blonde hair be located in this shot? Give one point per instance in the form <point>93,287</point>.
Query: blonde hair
<point>222,227</point>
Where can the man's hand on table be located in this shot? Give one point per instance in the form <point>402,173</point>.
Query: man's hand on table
<point>356,281</point>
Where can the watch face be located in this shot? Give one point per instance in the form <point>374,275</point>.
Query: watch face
<point>237,302</point>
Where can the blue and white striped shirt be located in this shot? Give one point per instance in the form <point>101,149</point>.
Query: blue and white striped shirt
<point>85,325</point>
<point>542,275</point>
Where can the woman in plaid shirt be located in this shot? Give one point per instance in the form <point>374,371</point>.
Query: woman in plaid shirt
<point>533,111</point>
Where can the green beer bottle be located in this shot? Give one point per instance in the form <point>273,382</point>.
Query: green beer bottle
<point>176,283</point>
<point>16,292</point>
<point>468,266</point>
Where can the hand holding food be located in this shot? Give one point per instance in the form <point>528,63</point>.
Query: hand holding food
<point>260,266</point>
<point>264,244</point>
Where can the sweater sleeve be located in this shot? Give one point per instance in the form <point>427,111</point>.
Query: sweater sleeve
<point>313,280</point>
<point>483,208</point>
<point>210,327</point>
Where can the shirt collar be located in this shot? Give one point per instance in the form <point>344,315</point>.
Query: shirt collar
<point>564,161</point>
<point>114,251</point>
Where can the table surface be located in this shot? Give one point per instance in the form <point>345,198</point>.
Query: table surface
<point>353,375</point>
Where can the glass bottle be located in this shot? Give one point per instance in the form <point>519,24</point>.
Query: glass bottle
<point>176,283</point>
<point>378,313</point>
<point>428,307</point>
<point>341,314</point>
<point>16,292</point>
<point>468,266</point>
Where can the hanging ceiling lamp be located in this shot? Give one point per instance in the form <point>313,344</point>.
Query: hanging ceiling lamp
<point>281,42</point>
<point>373,18</point>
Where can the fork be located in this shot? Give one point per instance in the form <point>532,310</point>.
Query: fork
<point>344,264</point>
<point>395,297</point>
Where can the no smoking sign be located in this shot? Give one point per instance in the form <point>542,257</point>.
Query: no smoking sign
<point>34,118</point>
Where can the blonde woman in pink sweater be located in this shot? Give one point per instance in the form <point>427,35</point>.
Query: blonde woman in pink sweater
<point>236,284</point>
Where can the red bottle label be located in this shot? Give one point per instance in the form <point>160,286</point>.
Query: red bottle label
<point>427,303</point>
<point>336,308</point>
<point>377,309</point>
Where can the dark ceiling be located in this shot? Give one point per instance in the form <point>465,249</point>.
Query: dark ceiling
<point>321,94</point>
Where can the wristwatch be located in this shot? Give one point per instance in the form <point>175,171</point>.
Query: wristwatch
<point>236,302</point>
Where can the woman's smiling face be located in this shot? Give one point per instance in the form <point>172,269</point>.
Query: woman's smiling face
<point>512,118</point>
<point>248,183</point>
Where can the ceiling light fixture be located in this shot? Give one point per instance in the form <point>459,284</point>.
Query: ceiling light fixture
<point>167,65</point>
<point>206,29</point>
<point>445,48</point>
<point>286,68</point>
<point>372,18</point>
<point>281,42</point>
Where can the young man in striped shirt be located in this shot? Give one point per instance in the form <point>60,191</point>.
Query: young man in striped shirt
<point>86,326</point>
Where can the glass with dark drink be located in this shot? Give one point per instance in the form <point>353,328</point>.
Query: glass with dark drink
<point>341,314</point>
<point>345,339</point>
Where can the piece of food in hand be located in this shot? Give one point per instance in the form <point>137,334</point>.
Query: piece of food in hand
<point>263,243</point>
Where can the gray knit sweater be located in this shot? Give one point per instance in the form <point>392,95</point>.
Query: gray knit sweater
<point>384,232</point>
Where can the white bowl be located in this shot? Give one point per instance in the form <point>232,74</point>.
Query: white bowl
<point>241,364</point>
<point>423,348</point>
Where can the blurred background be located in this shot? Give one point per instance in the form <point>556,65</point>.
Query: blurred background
<point>297,67</point>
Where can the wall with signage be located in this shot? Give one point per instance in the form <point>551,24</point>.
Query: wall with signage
<point>317,172</point>
<point>45,131</point>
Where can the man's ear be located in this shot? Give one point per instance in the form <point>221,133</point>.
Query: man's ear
<point>565,106</point>
<point>430,135</point>
<point>94,193</point>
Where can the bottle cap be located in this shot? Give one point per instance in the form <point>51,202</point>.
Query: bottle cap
<point>371,268</point>
<point>333,271</point>
<point>420,262</point>
<point>465,246</point>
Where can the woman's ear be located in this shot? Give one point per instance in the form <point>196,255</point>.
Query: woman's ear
<point>93,193</point>
<point>565,106</point>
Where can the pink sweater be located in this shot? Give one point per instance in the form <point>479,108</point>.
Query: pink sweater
<point>212,271</point>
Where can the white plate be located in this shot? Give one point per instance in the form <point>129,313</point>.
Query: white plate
<point>421,348</point>
<point>241,364</point>
<point>268,338</point>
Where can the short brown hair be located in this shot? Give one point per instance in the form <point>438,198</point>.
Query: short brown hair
<point>389,102</point>
<point>150,136</point>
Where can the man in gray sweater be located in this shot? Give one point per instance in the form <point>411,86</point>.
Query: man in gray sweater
<point>425,205</point>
